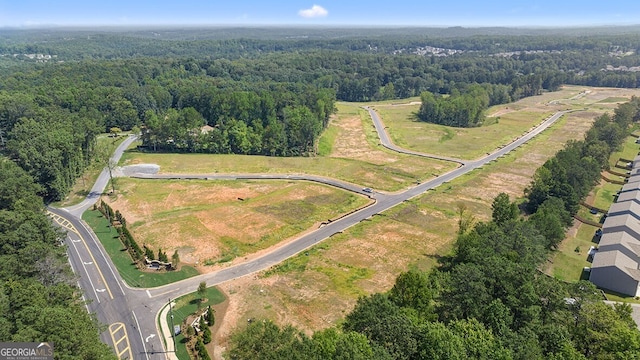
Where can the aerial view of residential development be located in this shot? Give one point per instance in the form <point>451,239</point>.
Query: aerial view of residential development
<point>331,180</point>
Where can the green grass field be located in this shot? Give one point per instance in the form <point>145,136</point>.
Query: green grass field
<point>628,151</point>
<point>128,271</point>
<point>571,258</point>
<point>466,143</point>
<point>187,305</point>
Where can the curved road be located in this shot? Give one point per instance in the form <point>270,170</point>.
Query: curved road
<point>134,311</point>
<point>386,141</point>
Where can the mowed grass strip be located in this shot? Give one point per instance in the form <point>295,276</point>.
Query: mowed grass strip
<point>184,307</point>
<point>571,258</point>
<point>224,219</point>
<point>128,271</point>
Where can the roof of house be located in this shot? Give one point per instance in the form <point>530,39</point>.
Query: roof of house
<point>630,186</point>
<point>625,208</point>
<point>633,178</point>
<point>616,258</point>
<point>621,241</point>
<point>622,223</point>
<point>629,195</point>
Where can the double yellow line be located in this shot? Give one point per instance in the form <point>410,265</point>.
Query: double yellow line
<point>69,226</point>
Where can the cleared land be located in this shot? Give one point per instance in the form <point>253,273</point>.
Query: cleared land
<point>503,124</point>
<point>316,288</point>
<point>212,222</point>
<point>351,159</point>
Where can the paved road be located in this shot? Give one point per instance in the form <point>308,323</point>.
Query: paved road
<point>135,310</point>
<point>386,142</point>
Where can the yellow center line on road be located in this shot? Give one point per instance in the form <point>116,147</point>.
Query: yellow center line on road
<point>115,328</point>
<point>60,220</point>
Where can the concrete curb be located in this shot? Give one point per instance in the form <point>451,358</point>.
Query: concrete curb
<point>165,332</point>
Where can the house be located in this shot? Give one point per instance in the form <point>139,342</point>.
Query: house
<point>633,195</point>
<point>631,208</point>
<point>633,178</point>
<point>621,223</point>
<point>620,241</point>
<point>630,187</point>
<point>614,270</point>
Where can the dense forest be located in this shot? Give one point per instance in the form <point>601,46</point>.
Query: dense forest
<point>488,299</point>
<point>272,92</point>
<point>38,295</point>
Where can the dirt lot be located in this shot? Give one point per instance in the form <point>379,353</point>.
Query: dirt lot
<point>204,220</point>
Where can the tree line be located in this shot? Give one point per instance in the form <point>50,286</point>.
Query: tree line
<point>488,299</point>
<point>39,299</point>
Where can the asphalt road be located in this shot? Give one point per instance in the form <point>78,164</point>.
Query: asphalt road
<point>134,311</point>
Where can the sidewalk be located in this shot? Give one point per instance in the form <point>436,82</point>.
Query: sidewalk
<point>166,332</point>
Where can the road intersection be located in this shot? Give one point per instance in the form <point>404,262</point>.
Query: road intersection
<point>131,313</point>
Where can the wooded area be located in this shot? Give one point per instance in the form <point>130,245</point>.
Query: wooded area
<point>38,294</point>
<point>268,96</point>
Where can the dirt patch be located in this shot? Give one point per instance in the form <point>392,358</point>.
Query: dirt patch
<point>352,142</point>
<point>206,220</point>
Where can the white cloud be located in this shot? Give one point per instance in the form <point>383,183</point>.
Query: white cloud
<point>313,12</point>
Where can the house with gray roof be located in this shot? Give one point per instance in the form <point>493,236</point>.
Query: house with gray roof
<point>633,178</point>
<point>630,187</point>
<point>624,223</point>
<point>614,270</point>
<point>629,196</point>
<point>631,208</point>
<point>620,241</point>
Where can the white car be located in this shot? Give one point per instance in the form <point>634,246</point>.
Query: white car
<point>367,190</point>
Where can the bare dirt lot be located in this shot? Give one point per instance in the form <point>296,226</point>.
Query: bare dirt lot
<point>207,220</point>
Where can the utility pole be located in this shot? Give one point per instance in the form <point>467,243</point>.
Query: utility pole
<point>173,332</point>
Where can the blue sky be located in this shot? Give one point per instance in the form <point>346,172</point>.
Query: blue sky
<point>320,12</point>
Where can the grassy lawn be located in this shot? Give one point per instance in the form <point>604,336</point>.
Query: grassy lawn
<point>568,264</point>
<point>628,151</point>
<point>604,194</point>
<point>187,305</point>
<point>128,271</point>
